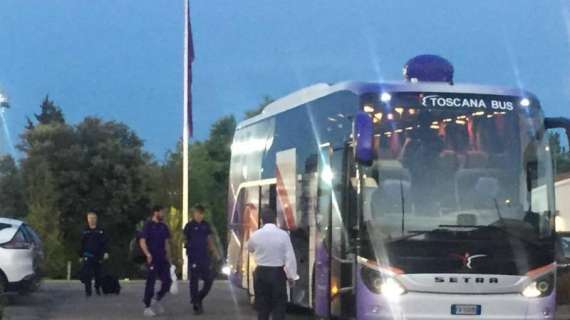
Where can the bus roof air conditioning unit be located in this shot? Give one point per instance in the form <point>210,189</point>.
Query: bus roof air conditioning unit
<point>428,68</point>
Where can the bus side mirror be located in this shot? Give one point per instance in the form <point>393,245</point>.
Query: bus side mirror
<point>363,133</point>
<point>558,123</point>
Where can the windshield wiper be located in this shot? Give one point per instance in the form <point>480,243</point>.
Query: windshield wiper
<point>448,228</point>
<point>415,233</point>
<point>403,201</point>
<point>503,228</point>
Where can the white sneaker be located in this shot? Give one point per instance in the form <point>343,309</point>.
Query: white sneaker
<point>157,307</point>
<point>149,313</point>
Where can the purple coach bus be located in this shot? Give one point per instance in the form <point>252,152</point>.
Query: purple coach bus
<point>423,199</point>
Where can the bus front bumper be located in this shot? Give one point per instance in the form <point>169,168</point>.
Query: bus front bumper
<point>424,306</point>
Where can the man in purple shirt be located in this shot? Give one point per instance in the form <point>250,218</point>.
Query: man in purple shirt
<point>154,243</point>
<point>198,240</point>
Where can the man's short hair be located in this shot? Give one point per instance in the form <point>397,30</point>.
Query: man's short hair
<point>91,213</point>
<point>200,208</point>
<point>157,208</point>
<point>268,215</point>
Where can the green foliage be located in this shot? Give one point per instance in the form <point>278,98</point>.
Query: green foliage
<point>560,154</point>
<point>50,113</point>
<point>12,202</point>
<point>44,216</point>
<point>174,222</point>
<point>93,166</point>
<point>67,170</point>
<point>252,113</point>
<point>208,175</point>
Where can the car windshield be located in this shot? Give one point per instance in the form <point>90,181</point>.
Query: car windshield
<point>465,162</point>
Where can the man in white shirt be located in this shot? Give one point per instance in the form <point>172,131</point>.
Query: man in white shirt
<point>276,265</point>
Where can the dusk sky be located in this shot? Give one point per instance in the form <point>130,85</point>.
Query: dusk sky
<point>122,60</point>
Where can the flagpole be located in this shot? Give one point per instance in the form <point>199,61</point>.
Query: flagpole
<point>185,140</point>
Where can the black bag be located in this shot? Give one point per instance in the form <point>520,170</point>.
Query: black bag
<point>110,285</point>
<point>136,254</point>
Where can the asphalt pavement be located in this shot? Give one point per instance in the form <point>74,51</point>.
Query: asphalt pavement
<point>66,301</point>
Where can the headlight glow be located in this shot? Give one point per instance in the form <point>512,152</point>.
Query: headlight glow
<point>540,287</point>
<point>226,270</point>
<point>531,291</point>
<point>381,283</point>
<point>391,288</point>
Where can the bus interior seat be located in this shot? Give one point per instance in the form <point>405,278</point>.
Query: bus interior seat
<point>448,165</point>
<point>370,185</point>
<point>384,172</point>
<point>387,198</point>
<point>477,188</point>
<point>449,160</point>
<point>476,159</point>
<point>498,160</point>
<point>488,187</point>
<point>384,190</point>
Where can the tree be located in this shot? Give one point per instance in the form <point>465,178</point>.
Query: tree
<point>47,149</point>
<point>94,166</point>
<point>44,217</point>
<point>252,113</point>
<point>112,182</point>
<point>560,154</point>
<point>50,112</point>
<point>218,147</point>
<point>174,221</point>
<point>12,202</point>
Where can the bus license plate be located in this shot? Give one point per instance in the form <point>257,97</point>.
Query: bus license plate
<point>466,309</point>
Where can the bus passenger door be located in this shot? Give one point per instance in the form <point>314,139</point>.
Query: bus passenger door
<point>342,258</point>
<point>250,223</point>
<point>333,279</point>
<point>321,279</point>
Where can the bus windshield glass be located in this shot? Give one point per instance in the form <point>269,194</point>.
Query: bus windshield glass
<point>457,162</point>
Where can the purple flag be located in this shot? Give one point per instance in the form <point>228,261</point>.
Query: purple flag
<point>189,58</point>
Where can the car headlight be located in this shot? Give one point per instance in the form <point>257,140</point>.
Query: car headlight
<point>380,283</point>
<point>540,287</point>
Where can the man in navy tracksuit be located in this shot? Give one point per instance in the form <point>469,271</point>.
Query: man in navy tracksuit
<point>154,242</point>
<point>198,240</point>
<point>93,251</point>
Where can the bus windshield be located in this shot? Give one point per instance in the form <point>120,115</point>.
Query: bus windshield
<point>460,163</point>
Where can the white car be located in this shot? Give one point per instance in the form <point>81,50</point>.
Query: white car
<point>20,257</point>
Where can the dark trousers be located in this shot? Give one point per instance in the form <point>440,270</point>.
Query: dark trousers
<point>270,285</point>
<point>91,270</point>
<point>158,270</point>
<point>197,271</point>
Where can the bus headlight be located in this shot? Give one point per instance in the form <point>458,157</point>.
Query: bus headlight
<point>541,287</point>
<point>226,270</point>
<point>392,288</point>
<point>380,283</point>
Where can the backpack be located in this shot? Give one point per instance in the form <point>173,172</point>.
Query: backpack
<point>136,254</point>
